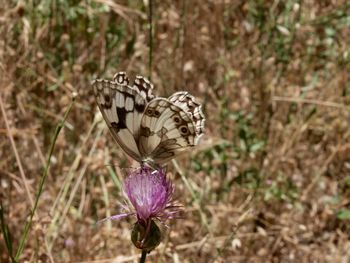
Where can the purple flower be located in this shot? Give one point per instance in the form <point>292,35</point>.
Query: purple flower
<point>150,194</point>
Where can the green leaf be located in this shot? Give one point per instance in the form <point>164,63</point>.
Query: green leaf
<point>343,214</point>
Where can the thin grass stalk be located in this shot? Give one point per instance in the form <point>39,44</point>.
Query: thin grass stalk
<point>150,36</point>
<point>60,220</point>
<point>106,201</point>
<point>6,233</point>
<point>18,159</point>
<point>67,181</point>
<point>42,181</point>
<point>193,194</point>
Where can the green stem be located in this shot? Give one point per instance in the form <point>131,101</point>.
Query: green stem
<point>41,185</point>
<point>143,256</point>
<point>6,233</point>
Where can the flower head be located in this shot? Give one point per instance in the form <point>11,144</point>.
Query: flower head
<point>150,195</point>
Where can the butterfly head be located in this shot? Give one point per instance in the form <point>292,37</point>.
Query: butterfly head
<point>149,162</point>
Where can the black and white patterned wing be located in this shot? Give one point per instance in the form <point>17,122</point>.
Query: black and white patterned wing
<point>144,87</point>
<point>122,107</point>
<point>188,103</point>
<point>166,131</point>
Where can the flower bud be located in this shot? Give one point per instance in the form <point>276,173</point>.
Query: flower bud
<point>146,240</point>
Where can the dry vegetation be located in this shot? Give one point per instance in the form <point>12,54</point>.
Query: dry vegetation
<point>270,181</point>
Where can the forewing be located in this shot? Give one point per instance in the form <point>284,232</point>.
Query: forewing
<point>144,87</point>
<point>122,108</point>
<point>188,103</point>
<point>121,78</point>
<point>166,130</point>
<point>141,85</point>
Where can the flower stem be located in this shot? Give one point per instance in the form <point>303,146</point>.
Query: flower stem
<point>143,256</point>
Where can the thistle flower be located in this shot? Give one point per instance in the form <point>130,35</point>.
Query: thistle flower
<point>150,195</point>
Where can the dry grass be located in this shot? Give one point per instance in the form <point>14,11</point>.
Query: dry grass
<point>270,181</point>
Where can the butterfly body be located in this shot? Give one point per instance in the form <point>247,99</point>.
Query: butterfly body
<point>151,130</point>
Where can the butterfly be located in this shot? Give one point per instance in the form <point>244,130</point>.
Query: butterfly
<point>152,130</point>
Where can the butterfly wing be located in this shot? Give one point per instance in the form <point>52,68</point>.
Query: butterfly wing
<point>144,87</point>
<point>148,129</point>
<point>166,130</point>
<point>188,103</point>
<point>122,107</point>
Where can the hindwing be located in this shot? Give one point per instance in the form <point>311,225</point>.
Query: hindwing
<point>166,130</point>
<point>188,103</point>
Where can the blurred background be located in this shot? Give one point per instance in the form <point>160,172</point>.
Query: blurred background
<point>270,179</point>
